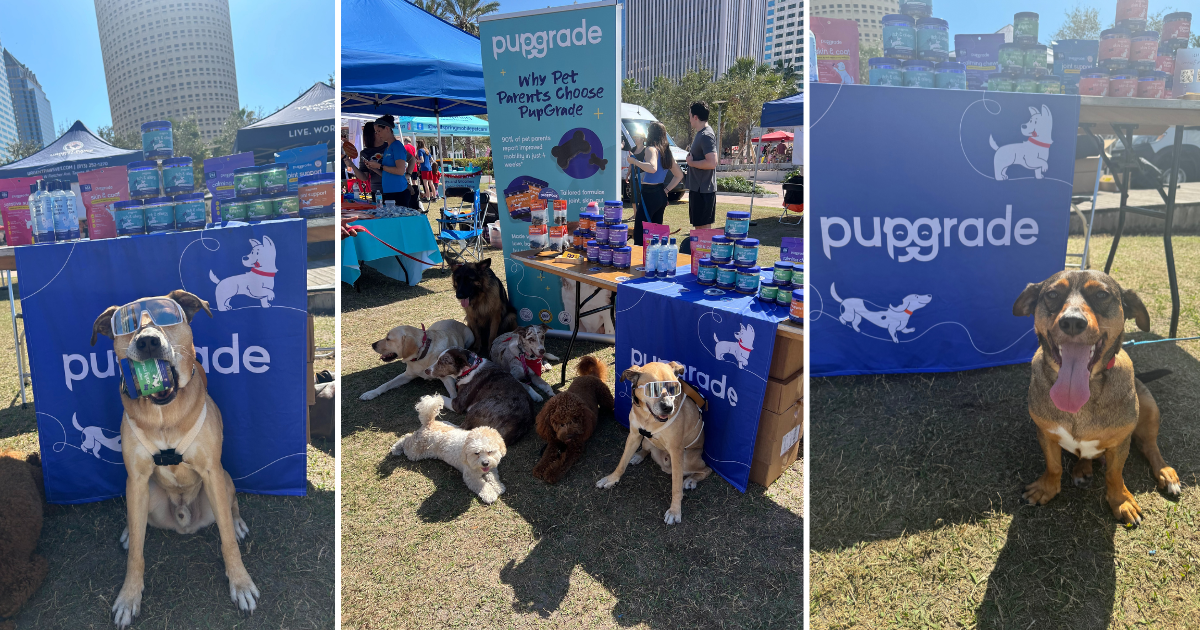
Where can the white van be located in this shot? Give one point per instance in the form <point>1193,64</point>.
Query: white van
<point>636,119</point>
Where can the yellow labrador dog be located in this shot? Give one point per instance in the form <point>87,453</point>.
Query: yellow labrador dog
<point>171,443</point>
<point>665,424</point>
<point>419,348</point>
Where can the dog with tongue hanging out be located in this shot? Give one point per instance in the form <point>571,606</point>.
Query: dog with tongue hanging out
<point>1084,395</point>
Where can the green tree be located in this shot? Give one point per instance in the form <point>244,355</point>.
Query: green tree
<point>188,142</point>
<point>19,150</point>
<point>632,92</point>
<point>465,14</point>
<point>435,7</point>
<point>864,62</point>
<point>790,74</point>
<point>745,87</point>
<point>1079,23</point>
<point>129,140</point>
<point>223,145</point>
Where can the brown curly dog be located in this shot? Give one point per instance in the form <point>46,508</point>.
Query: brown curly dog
<point>21,571</point>
<point>568,419</point>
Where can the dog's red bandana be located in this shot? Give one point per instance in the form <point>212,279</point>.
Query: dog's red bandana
<point>1039,143</point>
<point>255,269</point>
<point>471,368</point>
<point>531,364</point>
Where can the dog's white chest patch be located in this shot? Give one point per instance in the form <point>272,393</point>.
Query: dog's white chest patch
<point>1086,449</point>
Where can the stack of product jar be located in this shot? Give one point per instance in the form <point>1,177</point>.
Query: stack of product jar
<point>916,48</point>
<point>162,188</point>
<point>1134,62</point>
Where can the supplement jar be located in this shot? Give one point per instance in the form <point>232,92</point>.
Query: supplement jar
<point>950,75</point>
<point>1143,47</point>
<point>287,205</point>
<point>1049,84</point>
<point>1165,61</point>
<point>606,255</point>
<point>593,251</point>
<point>157,142</point>
<point>274,178</point>
<point>1001,82</point>
<point>726,276</point>
<point>177,176</point>
<point>612,211</point>
<point>766,291</point>
<point>1027,83</point>
<point>259,208</point>
<point>737,224</point>
<point>899,36</point>
<point>1114,47</point>
<point>1123,83</point>
<point>247,181</point>
<point>1012,58</point>
<point>917,9</point>
<point>784,298</point>
<point>160,214</point>
<point>129,218</point>
<point>783,272</point>
<point>621,257</point>
<point>601,232</point>
<point>618,235</point>
<point>1177,27</point>
<point>190,211</point>
<point>143,180</point>
<point>745,252</point>
<point>1152,84</point>
<point>796,310</point>
<point>721,250</point>
<point>933,39</point>
<point>917,73</point>
<point>1025,27</point>
<point>1093,82</point>
<point>587,221</point>
<point>747,280</point>
<point>317,195</point>
<point>233,209</point>
<point>885,71</point>
<point>1035,59</point>
<point>706,272</point>
<point>1132,9</point>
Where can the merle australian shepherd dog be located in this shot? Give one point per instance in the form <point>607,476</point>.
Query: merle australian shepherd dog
<point>489,311</point>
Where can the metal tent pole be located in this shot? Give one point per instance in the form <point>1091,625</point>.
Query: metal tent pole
<point>754,181</point>
<point>437,112</point>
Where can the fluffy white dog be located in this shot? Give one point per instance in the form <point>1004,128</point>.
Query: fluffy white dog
<point>476,452</point>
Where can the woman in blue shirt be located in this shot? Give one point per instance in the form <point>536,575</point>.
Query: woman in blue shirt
<point>655,169</point>
<point>394,164</point>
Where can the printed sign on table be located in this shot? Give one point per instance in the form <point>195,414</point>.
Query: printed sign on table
<point>100,189</point>
<point>218,177</point>
<point>1073,55</point>
<point>981,55</point>
<point>702,245</point>
<point>724,341</point>
<point>1187,72</point>
<point>301,162</point>
<point>253,349</point>
<point>554,113</point>
<point>917,263</point>
<point>14,209</point>
<point>837,50</point>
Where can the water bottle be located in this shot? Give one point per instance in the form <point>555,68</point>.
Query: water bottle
<point>378,200</point>
<point>62,221</point>
<point>672,257</point>
<point>74,205</point>
<point>661,265</point>
<point>43,217</point>
<point>650,253</point>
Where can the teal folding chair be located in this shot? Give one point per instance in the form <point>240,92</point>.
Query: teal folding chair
<point>460,235</point>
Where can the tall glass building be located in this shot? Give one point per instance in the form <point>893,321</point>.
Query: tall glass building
<point>669,38</point>
<point>8,118</point>
<point>869,16</point>
<point>34,119</point>
<point>783,37</point>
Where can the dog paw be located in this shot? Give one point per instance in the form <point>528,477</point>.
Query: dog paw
<point>1041,491</point>
<point>125,539</point>
<point>689,484</point>
<point>608,481</point>
<point>674,515</point>
<point>637,458</point>
<point>371,395</point>
<point>1082,482</point>
<point>1168,481</point>
<point>1126,509</point>
<point>244,593</point>
<point>534,395</point>
<point>127,606</point>
<point>398,447</point>
<point>240,529</point>
<point>488,495</point>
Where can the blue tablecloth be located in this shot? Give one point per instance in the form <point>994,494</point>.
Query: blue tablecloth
<point>411,235</point>
<point>724,340</point>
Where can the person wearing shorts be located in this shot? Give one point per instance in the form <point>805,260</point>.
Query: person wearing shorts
<point>394,165</point>
<point>702,165</point>
<point>425,168</point>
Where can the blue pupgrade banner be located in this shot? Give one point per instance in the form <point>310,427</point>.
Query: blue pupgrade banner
<point>966,204</point>
<point>725,341</point>
<point>554,102</point>
<point>253,349</point>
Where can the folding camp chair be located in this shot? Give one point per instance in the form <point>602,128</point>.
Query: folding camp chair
<point>461,234</point>
<point>793,200</point>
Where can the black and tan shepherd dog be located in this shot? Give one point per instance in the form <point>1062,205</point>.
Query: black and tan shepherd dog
<point>489,311</point>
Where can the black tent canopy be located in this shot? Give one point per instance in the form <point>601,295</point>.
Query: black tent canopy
<point>306,121</point>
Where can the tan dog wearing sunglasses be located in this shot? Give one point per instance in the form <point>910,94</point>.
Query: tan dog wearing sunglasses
<point>666,424</point>
<point>171,438</point>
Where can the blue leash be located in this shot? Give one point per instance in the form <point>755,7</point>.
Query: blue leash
<point>1142,343</point>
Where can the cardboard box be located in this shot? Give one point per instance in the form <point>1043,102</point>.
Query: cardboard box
<point>782,393</point>
<point>787,358</point>
<point>777,444</point>
<point>1085,176</point>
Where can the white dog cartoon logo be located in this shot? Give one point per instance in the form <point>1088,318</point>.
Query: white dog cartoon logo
<point>256,283</point>
<point>740,349</point>
<point>93,439</point>
<point>894,320</point>
<point>845,76</point>
<point>1034,153</point>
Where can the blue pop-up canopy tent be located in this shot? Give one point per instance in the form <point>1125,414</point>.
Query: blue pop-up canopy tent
<point>785,112</point>
<point>306,121</point>
<point>76,151</point>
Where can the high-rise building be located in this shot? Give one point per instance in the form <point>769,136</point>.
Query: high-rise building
<point>669,38</point>
<point>783,35</point>
<point>35,121</point>
<point>165,59</point>
<point>8,118</point>
<point>869,16</point>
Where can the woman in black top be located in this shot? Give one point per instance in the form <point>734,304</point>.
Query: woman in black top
<point>657,165</point>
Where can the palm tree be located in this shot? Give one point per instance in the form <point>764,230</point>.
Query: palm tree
<point>435,7</point>
<point>465,14</point>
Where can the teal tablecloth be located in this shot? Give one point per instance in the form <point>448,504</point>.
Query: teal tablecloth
<point>411,235</point>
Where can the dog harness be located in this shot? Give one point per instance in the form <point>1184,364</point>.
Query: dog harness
<point>470,368</point>
<point>425,343</point>
<point>171,456</point>
<point>650,435</point>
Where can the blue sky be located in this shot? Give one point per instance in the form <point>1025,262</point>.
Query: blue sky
<point>979,16</point>
<point>281,47</point>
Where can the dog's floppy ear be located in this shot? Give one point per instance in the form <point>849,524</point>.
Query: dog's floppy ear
<point>677,367</point>
<point>103,324</point>
<point>1134,309</point>
<point>1034,111</point>
<point>631,375</point>
<point>190,303</point>
<point>1026,302</point>
<point>1046,112</point>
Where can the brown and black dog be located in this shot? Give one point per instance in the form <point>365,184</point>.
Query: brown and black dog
<point>567,421</point>
<point>488,309</point>
<point>1083,395</point>
<point>486,393</point>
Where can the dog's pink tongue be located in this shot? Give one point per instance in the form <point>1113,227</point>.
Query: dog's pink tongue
<point>466,302</point>
<point>1071,391</point>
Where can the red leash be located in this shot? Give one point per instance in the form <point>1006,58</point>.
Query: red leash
<point>355,229</point>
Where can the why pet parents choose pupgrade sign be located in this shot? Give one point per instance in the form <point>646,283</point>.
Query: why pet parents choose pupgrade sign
<point>554,109</point>
<point>725,343</point>
<point>932,211</point>
<point>253,349</point>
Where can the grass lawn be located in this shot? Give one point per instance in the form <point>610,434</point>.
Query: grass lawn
<point>289,551</point>
<point>419,550</point>
<point>917,516</point>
